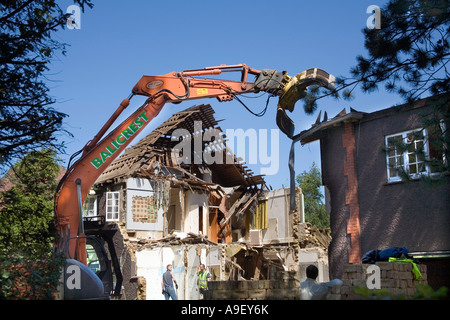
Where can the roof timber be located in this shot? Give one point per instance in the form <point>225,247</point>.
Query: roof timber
<point>159,143</point>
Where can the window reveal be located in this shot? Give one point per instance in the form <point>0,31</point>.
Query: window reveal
<point>144,209</point>
<point>90,206</point>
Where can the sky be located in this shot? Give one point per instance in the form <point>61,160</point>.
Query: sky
<point>120,41</point>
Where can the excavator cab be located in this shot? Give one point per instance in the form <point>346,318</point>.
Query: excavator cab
<point>99,263</point>
<point>100,278</point>
<point>87,282</point>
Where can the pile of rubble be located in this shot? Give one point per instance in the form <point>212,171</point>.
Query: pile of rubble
<point>176,238</point>
<point>310,236</point>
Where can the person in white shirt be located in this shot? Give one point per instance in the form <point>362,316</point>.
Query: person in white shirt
<point>313,290</point>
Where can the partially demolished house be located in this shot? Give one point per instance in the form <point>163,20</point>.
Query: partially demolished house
<point>166,210</point>
<point>155,192</point>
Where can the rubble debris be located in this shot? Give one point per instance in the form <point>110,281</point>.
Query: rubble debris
<point>311,236</point>
<point>174,239</point>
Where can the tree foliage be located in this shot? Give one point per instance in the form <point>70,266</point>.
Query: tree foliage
<point>25,279</point>
<point>26,214</point>
<point>28,268</point>
<point>310,183</point>
<point>27,120</point>
<point>409,54</point>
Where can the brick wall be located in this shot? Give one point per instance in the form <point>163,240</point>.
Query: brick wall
<point>351,194</point>
<point>396,277</point>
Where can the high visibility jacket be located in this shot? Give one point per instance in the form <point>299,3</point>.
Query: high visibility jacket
<point>415,269</point>
<point>202,279</point>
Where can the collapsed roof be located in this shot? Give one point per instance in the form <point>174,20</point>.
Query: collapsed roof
<point>156,151</point>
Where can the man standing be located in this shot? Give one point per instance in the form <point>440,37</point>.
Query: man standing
<point>167,284</point>
<point>312,290</point>
<point>203,278</point>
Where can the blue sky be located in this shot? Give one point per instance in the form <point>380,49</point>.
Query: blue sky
<point>120,41</point>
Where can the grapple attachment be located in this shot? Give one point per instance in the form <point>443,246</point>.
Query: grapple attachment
<point>296,89</point>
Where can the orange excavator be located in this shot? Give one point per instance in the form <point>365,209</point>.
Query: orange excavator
<point>80,282</point>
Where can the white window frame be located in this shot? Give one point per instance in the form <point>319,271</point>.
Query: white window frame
<point>405,156</point>
<point>90,201</point>
<point>112,206</point>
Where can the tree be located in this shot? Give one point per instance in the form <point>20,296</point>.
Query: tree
<point>26,214</point>
<point>409,54</point>
<point>310,183</point>
<point>27,120</point>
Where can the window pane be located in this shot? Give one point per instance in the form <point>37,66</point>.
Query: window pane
<point>392,152</point>
<point>393,145</point>
<point>422,167</point>
<point>395,158</point>
<point>89,206</point>
<point>112,206</point>
<point>406,152</point>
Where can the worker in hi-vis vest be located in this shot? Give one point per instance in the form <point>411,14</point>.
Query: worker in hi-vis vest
<point>203,277</point>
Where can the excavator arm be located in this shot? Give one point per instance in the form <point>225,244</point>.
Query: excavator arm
<point>173,87</point>
<point>186,85</point>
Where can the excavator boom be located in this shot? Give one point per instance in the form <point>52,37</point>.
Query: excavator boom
<point>184,86</point>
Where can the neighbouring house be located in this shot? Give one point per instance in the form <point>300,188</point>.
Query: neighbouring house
<point>163,201</point>
<point>373,166</point>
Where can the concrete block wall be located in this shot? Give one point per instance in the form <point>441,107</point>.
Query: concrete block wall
<point>285,287</point>
<point>395,277</point>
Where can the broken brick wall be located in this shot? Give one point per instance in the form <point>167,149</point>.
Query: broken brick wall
<point>333,155</point>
